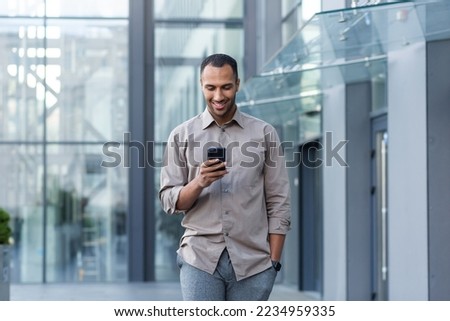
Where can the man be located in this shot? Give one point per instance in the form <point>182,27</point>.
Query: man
<point>237,212</point>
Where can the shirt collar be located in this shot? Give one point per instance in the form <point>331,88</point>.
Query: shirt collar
<point>207,119</point>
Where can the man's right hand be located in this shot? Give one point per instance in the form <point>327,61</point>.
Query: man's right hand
<point>210,171</point>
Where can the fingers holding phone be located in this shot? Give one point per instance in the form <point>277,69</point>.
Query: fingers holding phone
<point>215,166</point>
<point>217,153</point>
<point>216,159</point>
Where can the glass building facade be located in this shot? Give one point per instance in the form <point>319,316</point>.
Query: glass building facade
<point>64,93</point>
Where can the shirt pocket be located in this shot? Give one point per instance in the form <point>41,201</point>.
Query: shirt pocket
<point>252,166</point>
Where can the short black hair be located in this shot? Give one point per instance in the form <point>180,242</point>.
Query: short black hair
<point>219,60</point>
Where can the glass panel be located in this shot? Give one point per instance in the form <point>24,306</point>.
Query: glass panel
<point>311,81</point>
<point>87,63</point>
<point>302,52</point>
<point>379,91</point>
<point>434,19</point>
<point>70,75</point>
<point>304,83</point>
<point>336,37</point>
<point>345,46</point>
<point>65,8</point>
<point>273,87</point>
<point>178,71</point>
<point>87,8</point>
<point>86,216</point>
<point>21,195</point>
<point>22,79</point>
<point>198,9</point>
<point>193,41</point>
<point>296,120</point>
<point>31,8</point>
<point>171,110</point>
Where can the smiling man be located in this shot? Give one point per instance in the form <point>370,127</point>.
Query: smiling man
<point>237,212</point>
<point>219,86</point>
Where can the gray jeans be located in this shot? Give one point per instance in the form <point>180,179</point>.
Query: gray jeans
<point>197,285</point>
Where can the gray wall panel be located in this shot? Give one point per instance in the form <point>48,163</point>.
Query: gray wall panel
<point>140,220</point>
<point>438,118</point>
<point>334,199</point>
<point>358,98</point>
<point>407,174</point>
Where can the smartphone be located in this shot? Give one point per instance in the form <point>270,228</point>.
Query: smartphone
<point>217,153</point>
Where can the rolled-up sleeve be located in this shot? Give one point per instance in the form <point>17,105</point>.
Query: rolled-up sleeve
<point>173,175</point>
<point>276,186</point>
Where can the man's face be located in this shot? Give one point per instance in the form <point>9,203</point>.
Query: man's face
<point>219,87</point>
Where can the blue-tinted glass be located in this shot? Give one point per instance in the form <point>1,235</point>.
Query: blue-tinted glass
<point>86,216</point>
<point>87,96</point>
<point>87,8</point>
<point>206,9</point>
<point>22,79</point>
<point>21,195</point>
<point>64,80</point>
<point>29,8</point>
<point>65,8</point>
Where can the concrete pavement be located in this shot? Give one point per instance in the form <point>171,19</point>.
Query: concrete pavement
<point>150,291</point>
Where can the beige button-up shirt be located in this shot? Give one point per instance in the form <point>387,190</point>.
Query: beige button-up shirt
<point>238,211</point>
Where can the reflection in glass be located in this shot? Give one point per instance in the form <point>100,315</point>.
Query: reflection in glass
<point>171,110</point>
<point>21,196</point>
<point>87,86</point>
<point>22,84</point>
<point>87,8</point>
<point>196,9</point>
<point>290,101</point>
<point>67,8</point>
<point>379,91</point>
<point>196,41</point>
<point>78,72</point>
<point>86,216</point>
<point>31,8</point>
<point>177,77</point>
<point>64,80</point>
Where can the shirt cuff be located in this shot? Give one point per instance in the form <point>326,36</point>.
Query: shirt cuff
<point>279,226</point>
<point>170,198</point>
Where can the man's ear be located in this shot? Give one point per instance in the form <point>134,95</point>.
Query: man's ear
<point>238,82</point>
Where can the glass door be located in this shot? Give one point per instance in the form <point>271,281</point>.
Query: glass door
<point>380,209</point>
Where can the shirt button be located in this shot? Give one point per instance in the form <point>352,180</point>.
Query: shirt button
<point>223,129</point>
<point>225,190</point>
<point>226,233</point>
<point>227,212</point>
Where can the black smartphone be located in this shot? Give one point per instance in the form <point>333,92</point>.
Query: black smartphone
<point>217,153</point>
